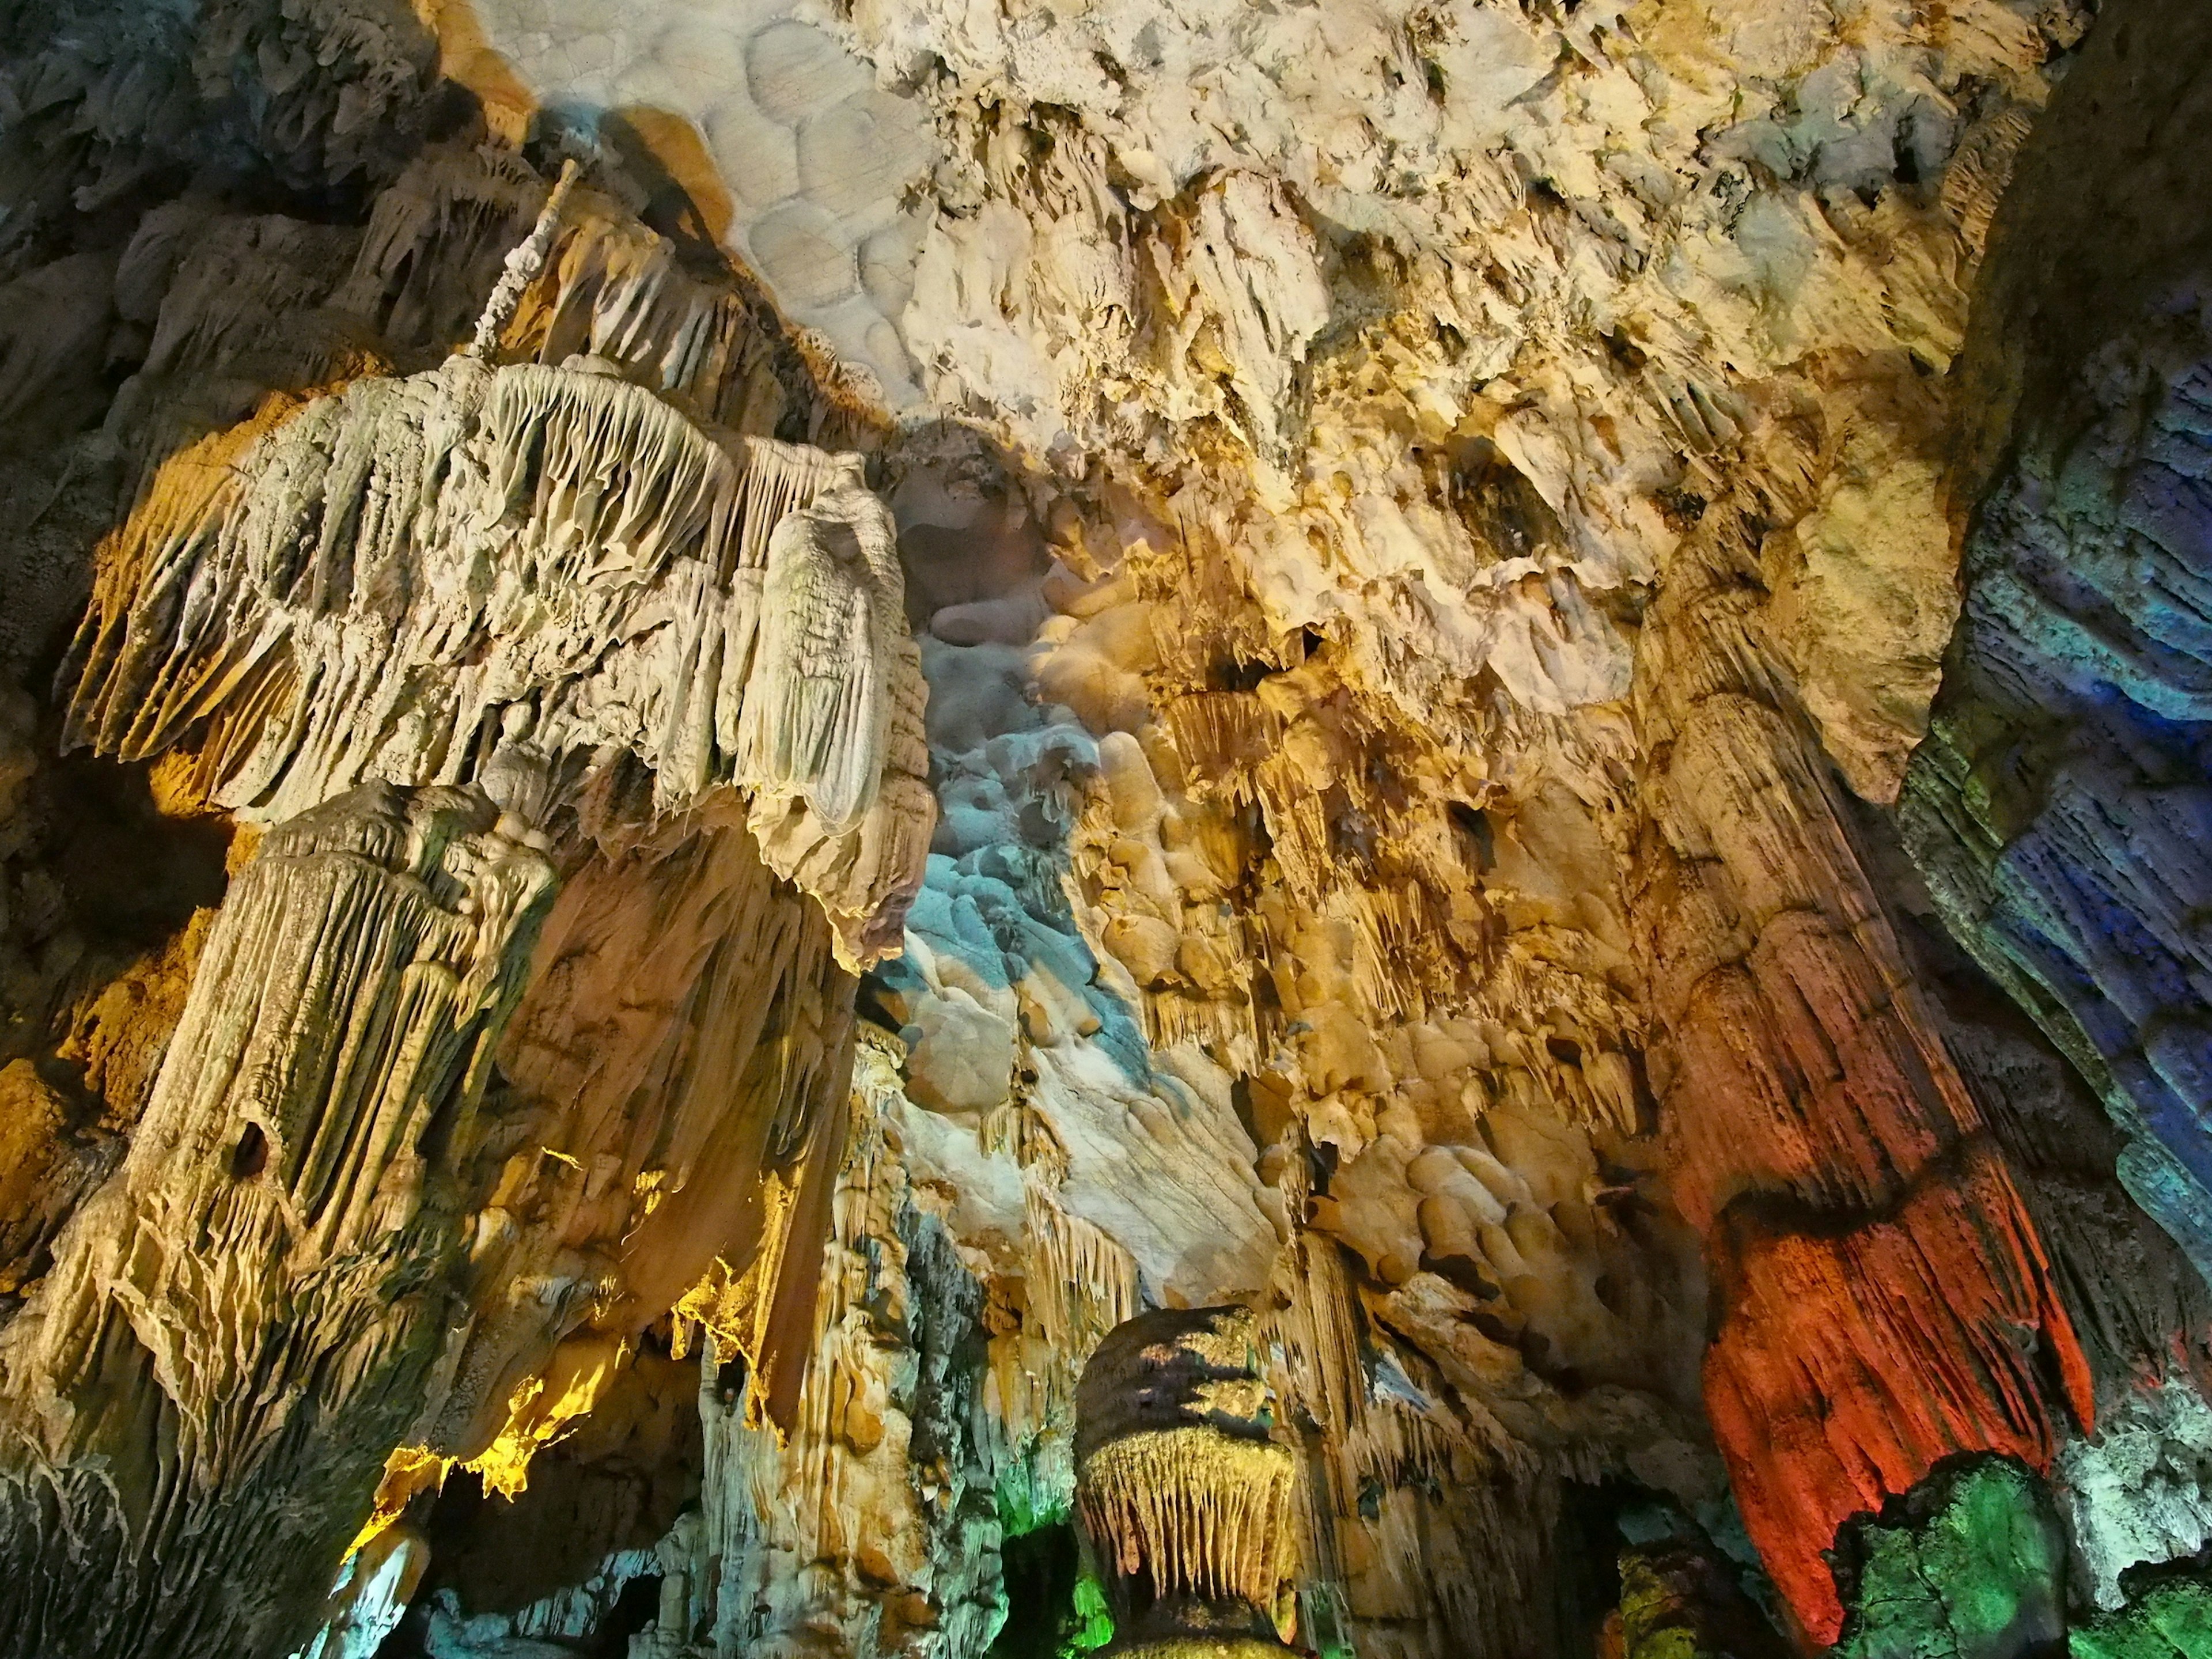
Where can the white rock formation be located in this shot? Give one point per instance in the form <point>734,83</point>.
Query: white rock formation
<point>508,576</point>
<point>256,1298</point>
<point>2137,1491</point>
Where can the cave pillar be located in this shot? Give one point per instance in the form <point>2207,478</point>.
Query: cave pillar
<point>197,1401</point>
<point>1184,1497</point>
<point>1884,1299</point>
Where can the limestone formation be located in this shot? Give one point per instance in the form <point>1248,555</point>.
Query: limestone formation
<point>1186,1497</point>
<point>506,576</point>
<point>873,829</point>
<point>252,1306</point>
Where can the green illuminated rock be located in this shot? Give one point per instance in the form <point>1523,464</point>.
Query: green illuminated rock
<point>2171,1621</point>
<point>1973,1568</point>
<point>1094,1624</point>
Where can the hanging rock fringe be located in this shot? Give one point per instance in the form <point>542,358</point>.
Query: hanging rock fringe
<point>1081,1282</point>
<point>480,574</point>
<point>1205,1514</point>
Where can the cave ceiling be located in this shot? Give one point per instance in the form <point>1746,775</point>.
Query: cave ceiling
<point>969,829</point>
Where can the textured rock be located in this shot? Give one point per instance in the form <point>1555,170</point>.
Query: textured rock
<point>2171,1618</point>
<point>829,1535</point>
<point>1678,1598</point>
<point>793,155</point>
<point>1974,1561</point>
<point>1429,534</point>
<point>2063,765</point>
<point>287,1213</point>
<point>1976,1566</point>
<point>2137,1491</point>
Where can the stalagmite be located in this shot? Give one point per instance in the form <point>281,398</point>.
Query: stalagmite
<point>525,262</point>
<point>445,602</point>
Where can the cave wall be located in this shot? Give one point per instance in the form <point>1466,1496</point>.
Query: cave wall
<point>2052,807</point>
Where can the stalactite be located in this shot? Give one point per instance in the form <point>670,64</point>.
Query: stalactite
<point>671,1106</point>
<point>538,585</point>
<point>1182,1490</point>
<point>314,611</point>
<point>818,718</point>
<point>436,239</point>
<point>1081,1282</point>
<point>679,1054</point>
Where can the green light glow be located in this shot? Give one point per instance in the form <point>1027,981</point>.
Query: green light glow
<point>1094,1625</point>
<point>2172,1620</point>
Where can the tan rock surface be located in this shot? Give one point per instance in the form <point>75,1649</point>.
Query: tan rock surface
<point>1143,656</point>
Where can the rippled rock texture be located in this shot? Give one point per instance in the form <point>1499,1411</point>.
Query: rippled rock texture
<point>870,829</point>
